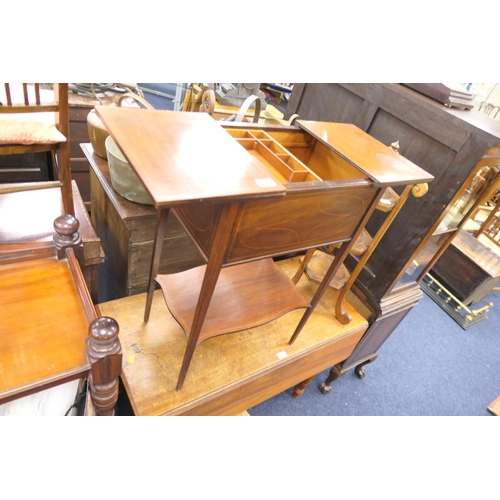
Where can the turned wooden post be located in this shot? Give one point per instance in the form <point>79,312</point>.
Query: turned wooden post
<point>105,355</point>
<point>67,236</point>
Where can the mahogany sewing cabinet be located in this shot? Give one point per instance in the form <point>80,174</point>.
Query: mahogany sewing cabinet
<point>245,196</point>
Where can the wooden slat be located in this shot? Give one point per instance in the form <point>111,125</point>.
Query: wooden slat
<point>37,93</point>
<point>7,94</point>
<point>81,287</point>
<point>29,108</point>
<point>25,93</point>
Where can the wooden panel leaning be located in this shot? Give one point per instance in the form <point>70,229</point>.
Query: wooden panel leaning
<point>36,120</point>
<point>50,333</point>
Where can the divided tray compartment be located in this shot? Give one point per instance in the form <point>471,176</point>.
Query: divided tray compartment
<point>285,166</point>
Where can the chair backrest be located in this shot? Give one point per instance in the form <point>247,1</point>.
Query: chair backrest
<point>33,119</point>
<point>490,229</point>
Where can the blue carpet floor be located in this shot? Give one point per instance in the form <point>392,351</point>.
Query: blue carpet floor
<point>428,366</point>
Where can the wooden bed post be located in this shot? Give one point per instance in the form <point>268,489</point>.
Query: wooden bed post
<point>105,355</point>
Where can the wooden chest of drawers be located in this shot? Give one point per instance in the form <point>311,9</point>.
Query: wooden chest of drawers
<point>127,232</point>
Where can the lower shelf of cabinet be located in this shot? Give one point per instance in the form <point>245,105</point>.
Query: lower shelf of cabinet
<point>246,295</point>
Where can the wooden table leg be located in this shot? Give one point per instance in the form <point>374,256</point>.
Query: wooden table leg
<point>325,282</point>
<point>305,261</point>
<point>335,373</point>
<point>300,388</point>
<point>212,271</point>
<point>359,370</point>
<point>161,225</point>
<point>335,265</point>
<point>105,355</point>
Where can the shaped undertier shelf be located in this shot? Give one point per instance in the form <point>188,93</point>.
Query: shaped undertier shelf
<point>246,296</point>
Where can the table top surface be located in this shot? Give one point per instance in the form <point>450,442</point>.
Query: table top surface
<point>376,160</point>
<point>187,157</point>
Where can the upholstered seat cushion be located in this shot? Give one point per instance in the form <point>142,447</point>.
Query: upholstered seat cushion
<point>21,129</point>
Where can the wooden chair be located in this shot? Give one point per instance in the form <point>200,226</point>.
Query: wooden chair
<point>489,231</point>
<point>33,122</point>
<point>50,333</point>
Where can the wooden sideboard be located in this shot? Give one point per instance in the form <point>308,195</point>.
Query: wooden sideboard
<point>126,230</point>
<point>448,143</point>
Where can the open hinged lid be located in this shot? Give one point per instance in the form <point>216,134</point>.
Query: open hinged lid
<point>184,157</point>
<point>379,162</point>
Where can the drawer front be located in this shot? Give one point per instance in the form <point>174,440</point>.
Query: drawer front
<point>30,167</point>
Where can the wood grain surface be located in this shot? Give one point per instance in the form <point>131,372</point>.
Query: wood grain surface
<point>376,160</point>
<point>43,327</point>
<point>229,373</point>
<point>183,160</point>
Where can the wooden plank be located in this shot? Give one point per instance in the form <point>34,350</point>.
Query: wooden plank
<point>229,373</point>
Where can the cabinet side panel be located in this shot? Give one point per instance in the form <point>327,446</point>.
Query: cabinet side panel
<point>298,221</point>
<point>199,222</point>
